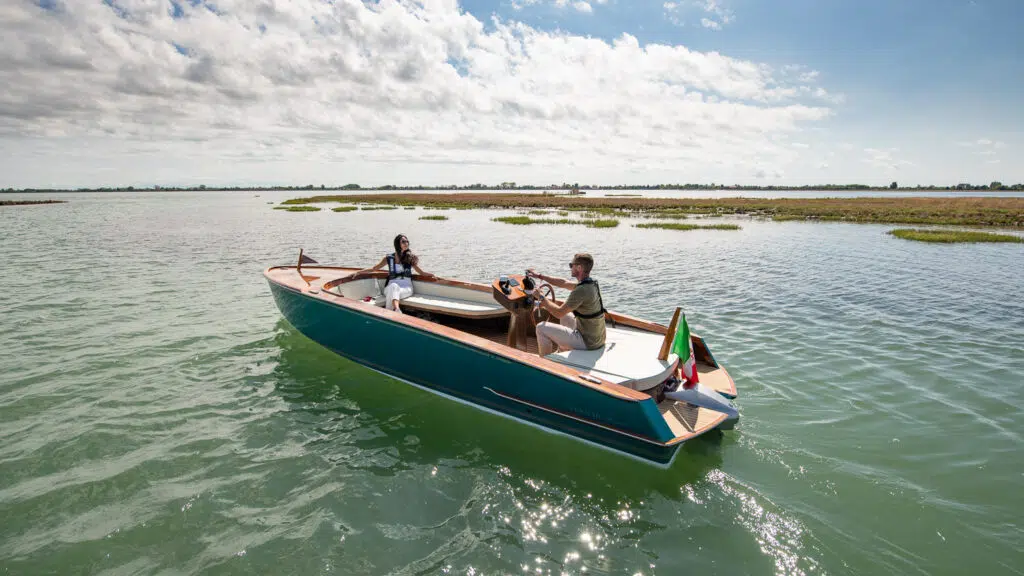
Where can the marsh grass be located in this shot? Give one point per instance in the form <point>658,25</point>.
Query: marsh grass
<point>1006,212</point>
<point>951,236</point>
<point>526,220</point>
<point>344,209</point>
<point>408,208</point>
<point>678,226</point>
<point>379,208</point>
<point>607,214</point>
<point>672,215</point>
<point>435,217</point>
<point>298,208</point>
<point>31,202</point>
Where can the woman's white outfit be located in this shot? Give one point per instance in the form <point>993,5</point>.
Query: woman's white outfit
<point>397,288</point>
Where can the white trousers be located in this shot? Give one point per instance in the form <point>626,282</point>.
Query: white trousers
<point>395,291</point>
<point>552,337</point>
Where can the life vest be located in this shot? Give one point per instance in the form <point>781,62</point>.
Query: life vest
<point>393,271</point>
<point>599,313</point>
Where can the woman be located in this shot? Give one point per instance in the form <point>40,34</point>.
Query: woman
<point>400,265</point>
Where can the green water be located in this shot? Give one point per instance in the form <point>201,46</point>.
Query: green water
<point>157,416</point>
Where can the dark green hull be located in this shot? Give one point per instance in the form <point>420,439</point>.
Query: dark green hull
<point>481,377</point>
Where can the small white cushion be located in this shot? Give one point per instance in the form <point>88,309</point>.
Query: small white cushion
<point>629,357</point>
<point>442,303</point>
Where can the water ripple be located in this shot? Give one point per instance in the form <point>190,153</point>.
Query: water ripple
<point>157,415</point>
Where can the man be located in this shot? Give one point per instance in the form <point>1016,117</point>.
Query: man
<point>581,317</point>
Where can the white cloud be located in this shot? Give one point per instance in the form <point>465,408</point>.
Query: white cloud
<point>712,14</point>
<point>579,5</point>
<point>710,24</point>
<point>260,88</point>
<point>885,158</point>
<point>983,145</point>
<point>583,7</point>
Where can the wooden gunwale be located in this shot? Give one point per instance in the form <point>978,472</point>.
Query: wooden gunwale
<point>465,338</point>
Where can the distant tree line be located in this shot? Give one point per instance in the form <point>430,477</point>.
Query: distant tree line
<point>573,187</point>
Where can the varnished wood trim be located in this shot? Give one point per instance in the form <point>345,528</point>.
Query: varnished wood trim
<point>453,283</point>
<point>636,323</point>
<point>669,335</point>
<point>732,383</point>
<point>714,424</point>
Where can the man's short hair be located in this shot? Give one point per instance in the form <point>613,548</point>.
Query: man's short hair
<point>585,260</point>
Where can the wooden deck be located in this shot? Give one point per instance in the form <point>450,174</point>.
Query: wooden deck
<point>717,379</point>
<point>500,336</point>
<point>687,420</point>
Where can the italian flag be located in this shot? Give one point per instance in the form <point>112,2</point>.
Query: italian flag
<point>683,347</point>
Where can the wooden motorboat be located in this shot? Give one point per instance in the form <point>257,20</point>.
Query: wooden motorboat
<point>474,343</point>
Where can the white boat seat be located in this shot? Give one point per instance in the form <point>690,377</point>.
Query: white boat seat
<point>629,357</point>
<point>453,306</point>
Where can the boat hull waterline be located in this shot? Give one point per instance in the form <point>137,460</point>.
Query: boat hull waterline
<point>506,384</point>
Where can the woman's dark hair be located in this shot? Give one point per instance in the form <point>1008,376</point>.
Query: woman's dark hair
<point>406,257</point>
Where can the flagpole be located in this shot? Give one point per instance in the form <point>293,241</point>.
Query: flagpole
<point>298,268</point>
<point>666,344</point>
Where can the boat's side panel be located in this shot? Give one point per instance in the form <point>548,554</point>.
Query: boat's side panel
<point>480,377</point>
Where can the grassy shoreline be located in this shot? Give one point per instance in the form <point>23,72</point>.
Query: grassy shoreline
<point>30,202</point>
<point>962,211</point>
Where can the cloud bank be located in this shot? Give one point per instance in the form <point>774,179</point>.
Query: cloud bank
<point>395,84</point>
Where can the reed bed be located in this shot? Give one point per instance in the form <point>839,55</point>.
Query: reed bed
<point>996,212</point>
<point>526,220</point>
<point>435,217</point>
<point>29,202</point>
<point>678,226</point>
<point>344,208</point>
<point>298,208</point>
<point>952,236</point>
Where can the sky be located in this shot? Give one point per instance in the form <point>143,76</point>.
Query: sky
<point>433,92</point>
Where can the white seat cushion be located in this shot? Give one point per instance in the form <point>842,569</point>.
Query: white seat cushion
<point>443,304</point>
<point>629,357</point>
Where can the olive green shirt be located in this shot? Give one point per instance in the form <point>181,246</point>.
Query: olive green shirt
<point>586,299</point>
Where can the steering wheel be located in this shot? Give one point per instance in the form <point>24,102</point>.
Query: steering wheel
<point>540,314</point>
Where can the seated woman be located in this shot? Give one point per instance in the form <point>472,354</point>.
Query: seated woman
<point>400,265</point>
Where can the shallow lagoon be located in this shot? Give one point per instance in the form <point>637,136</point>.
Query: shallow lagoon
<point>157,414</point>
